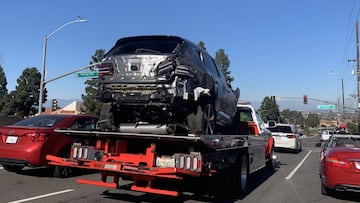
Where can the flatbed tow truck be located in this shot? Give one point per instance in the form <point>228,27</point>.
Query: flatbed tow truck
<point>164,164</point>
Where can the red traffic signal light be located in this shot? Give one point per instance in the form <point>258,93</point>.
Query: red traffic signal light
<point>305,99</point>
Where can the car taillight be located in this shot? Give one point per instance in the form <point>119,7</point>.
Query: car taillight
<point>337,162</point>
<point>105,69</point>
<point>291,136</point>
<point>37,136</point>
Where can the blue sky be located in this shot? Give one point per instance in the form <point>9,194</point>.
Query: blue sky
<point>276,47</point>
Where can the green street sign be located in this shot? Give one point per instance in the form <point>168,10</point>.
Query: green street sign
<point>87,74</point>
<point>326,106</point>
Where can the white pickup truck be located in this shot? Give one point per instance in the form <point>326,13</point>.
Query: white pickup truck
<point>247,114</point>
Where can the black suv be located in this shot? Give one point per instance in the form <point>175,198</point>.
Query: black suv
<point>166,85</point>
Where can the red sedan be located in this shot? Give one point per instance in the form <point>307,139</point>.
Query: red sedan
<point>340,164</point>
<point>27,142</point>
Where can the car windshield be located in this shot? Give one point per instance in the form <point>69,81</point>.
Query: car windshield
<point>40,121</point>
<point>144,46</point>
<point>350,142</point>
<point>283,129</point>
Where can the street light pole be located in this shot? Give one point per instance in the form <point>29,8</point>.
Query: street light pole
<point>42,79</point>
<point>358,75</point>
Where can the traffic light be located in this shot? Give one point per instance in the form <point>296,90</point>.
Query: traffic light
<point>54,105</point>
<point>273,98</point>
<point>305,99</point>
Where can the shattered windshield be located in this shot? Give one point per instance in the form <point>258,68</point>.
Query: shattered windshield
<point>145,46</point>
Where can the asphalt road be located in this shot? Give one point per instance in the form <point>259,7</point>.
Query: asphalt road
<point>295,179</point>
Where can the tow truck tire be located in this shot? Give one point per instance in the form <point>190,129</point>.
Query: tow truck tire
<point>270,163</point>
<point>63,171</point>
<point>242,174</point>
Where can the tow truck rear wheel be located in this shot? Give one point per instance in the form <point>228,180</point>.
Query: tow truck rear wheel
<point>63,171</point>
<point>241,176</point>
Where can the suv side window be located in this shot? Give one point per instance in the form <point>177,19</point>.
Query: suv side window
<point>210,65</point>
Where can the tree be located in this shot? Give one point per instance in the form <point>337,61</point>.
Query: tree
<point>269,110</point>
<point>3,83</point>
<point>90,103</point>
<point>3,89</point>
<point>224,63</point>
<point>292,117</point>
<point>26,92</point>
<point>202,45</point>
<point>313,120</point>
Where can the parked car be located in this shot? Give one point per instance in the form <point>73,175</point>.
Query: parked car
<point>163,84</point>
<point>340,164</point>
<point>27,142</point>
<point>285,136</point>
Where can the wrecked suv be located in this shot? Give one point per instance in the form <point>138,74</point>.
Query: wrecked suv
<point>164,85</point>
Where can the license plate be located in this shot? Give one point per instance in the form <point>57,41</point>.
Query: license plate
<point>11,139</point>
<point>165,162</point>
<point>110,166</point>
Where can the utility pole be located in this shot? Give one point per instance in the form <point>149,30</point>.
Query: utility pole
<point>343,99</point>
<point>358,75</point>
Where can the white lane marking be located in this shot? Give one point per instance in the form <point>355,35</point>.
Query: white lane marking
<point>298,166</point>
<point>41,196</point>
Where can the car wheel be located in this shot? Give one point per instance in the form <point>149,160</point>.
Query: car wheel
<point>105,122</point>
<point>12,168</point>
<point>208,119</point>
<point>324,190</point>
<point>202,120</point>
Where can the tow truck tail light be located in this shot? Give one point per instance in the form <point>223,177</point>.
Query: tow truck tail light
<point>84,152</point>
<point>190,162</point>
<point>105,69</point>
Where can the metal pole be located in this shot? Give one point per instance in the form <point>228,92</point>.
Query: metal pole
<point>42,78</point>
<point>343,98</point>
<point>358,75</point>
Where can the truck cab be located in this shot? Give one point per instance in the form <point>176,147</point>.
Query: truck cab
<point>250,117</point>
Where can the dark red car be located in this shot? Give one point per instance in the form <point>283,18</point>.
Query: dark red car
<point>27,142</point>
<point>340,164</point>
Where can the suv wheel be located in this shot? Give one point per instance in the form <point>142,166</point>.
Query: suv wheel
<point>105,122</point>
<point>202,121</point>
